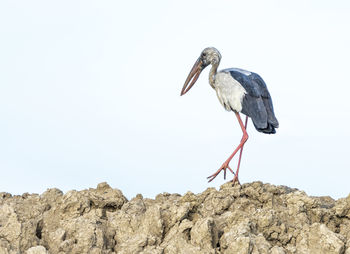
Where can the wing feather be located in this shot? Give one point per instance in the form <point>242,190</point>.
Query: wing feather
<point>257,103</point>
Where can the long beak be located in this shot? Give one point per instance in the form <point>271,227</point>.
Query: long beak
<point>194,74</point>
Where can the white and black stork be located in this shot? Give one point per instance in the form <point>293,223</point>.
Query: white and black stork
<point>238,91</point>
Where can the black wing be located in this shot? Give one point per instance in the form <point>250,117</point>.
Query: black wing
<point>257,103</point>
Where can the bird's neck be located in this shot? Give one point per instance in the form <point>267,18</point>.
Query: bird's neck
<point>212,74</point>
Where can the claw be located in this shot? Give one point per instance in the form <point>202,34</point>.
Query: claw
<point>224,167</point>
<point>235,179</point>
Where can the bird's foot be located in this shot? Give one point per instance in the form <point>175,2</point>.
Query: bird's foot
<point>235,179</point>
<point>224,167</point>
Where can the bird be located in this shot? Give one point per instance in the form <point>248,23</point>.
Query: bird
<point>240,91</point>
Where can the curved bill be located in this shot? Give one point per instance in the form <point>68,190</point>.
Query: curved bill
<point>193,75</point>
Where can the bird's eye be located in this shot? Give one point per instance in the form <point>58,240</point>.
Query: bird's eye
<point>204,54</point>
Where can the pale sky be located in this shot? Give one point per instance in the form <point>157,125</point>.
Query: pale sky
<point>89,92</point>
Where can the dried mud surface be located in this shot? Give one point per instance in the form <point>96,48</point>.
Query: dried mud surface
<point>252,218</point>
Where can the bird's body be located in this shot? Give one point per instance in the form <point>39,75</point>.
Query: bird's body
<point>238,90</point>
<point>244,91</point>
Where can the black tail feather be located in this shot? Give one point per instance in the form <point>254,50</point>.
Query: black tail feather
<point>270,129</point>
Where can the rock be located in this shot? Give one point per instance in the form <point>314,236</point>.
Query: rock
<point>37,250</point>
<point>319,239</point>
<point>3,250</point>
<point>204,234</point>
<point>277,250</point>
<point>253,218</point>
<point>10,226</point>
<point>237,245</point>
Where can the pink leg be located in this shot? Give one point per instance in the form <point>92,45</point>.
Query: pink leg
<point>240,155</point>
<point>225,165</point>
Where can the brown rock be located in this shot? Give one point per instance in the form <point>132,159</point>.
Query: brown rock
<point>37,250</point>
<point>254,218</point>
<point>318,239</point>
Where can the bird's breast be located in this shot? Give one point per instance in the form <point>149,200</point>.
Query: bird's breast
<point>229,91</point>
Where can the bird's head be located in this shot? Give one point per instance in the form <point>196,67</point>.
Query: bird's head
<point>208,56</point>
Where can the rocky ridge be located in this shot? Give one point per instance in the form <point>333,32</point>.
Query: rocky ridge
<point>252,218</point>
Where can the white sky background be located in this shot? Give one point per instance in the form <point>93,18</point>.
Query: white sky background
<point>89,92</point>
